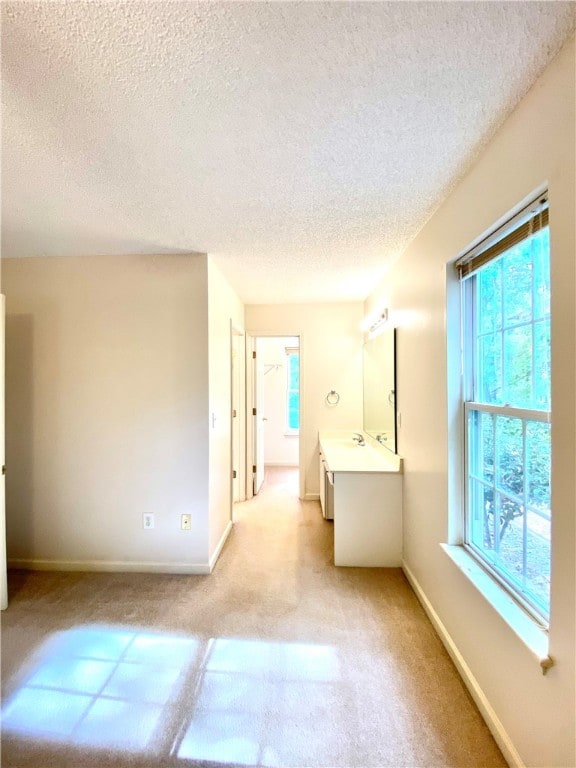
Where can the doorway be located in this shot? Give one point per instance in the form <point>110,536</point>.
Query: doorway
<point>273,406</point>
<point>237,432</point>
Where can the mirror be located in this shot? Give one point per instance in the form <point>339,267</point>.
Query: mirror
<point>379,374</point>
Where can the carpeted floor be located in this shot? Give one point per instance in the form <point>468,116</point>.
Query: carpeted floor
<point>276,659</point>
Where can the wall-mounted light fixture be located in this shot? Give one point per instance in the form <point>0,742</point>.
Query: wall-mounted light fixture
<point>379,323</point>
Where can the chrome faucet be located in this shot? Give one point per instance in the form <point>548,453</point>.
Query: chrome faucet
<point>358,438</point>
<point>381,438</point>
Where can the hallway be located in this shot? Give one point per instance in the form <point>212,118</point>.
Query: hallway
<point>276,659</point>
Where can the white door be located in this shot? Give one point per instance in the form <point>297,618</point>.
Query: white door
<point>255,419</point>
<point>237,340</point>
<point>260,420</point>
<point>3,577</point>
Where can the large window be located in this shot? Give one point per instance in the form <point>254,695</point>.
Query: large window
<point>293,390</point>
<point>506,345</point>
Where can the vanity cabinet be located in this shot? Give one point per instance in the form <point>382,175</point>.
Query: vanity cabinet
<point>367,499</point>
<point>368,519</point>
<point>322,481</point>
<point>326,480</point>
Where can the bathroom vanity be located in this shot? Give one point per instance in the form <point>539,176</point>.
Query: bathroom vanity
<point>361,487</point>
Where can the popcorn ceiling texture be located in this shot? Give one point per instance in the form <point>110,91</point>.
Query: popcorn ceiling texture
<point>301,145</point>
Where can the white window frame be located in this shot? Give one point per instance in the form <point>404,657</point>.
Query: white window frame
<point>470,406</point>
<point>524,416</point>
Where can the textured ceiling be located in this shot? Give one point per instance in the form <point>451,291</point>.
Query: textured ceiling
<point>301,145</point>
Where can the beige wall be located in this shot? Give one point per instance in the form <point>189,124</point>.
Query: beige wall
<point>224,310</point>
<point>534,147</point>
<point>330,358</point>
<point>3,575</point>
<point>107,403</point>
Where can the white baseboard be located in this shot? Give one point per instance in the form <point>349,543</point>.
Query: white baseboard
<point>216,553</point>
<point>492,721</point>
<point>110,566</point>
<point>312,497</point>
<point>281,464</point>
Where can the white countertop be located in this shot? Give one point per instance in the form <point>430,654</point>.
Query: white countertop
<point>342,454</point>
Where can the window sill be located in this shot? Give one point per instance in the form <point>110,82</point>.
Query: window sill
<point>523,625</point>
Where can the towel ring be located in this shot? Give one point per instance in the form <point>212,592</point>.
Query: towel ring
<point>332,398</point>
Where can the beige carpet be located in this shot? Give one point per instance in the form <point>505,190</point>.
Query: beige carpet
<point>276,659</point>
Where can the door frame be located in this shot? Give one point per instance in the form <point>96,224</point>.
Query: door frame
<point>238,421</point>
<point>251,337</point>
<point>3,562</point>
<point>250,421</point>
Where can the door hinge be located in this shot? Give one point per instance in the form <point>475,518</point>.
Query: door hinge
<point>234,414</point>
<point>253,411</point>
<point>3,469</point>
<point>254,468</point>
<point>234,474</point>
<point>254,355</point>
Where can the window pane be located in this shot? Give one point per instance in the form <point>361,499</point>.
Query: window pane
<point>293,390</point>
<point>511,539</point>
<point>489,368</point>
<point>538,559</point>
<point>293,411</point>
<point>517,278</point>
<point>487,446</point>
<point>538,464</point>
<point>294,371</point>
<point>510,455</point>
<point>490,297</point>
<point>542,372</point>
<point>541,259</point>
<point>518,367</point>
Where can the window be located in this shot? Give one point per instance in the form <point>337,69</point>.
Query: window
<point>293,390</point>
<point>506,350</point>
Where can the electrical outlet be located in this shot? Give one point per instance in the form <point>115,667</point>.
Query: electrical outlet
<point>186,522</point>
<point>148,520</point>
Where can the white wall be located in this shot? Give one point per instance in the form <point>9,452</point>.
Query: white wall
<point>107,403</point>
<point>330,358</point>
<point>224,310</point>
<point>280,449</point>
<point>3,574</point>
<point>535,146</point>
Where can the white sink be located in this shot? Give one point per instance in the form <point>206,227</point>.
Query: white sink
<point>343,454</point>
